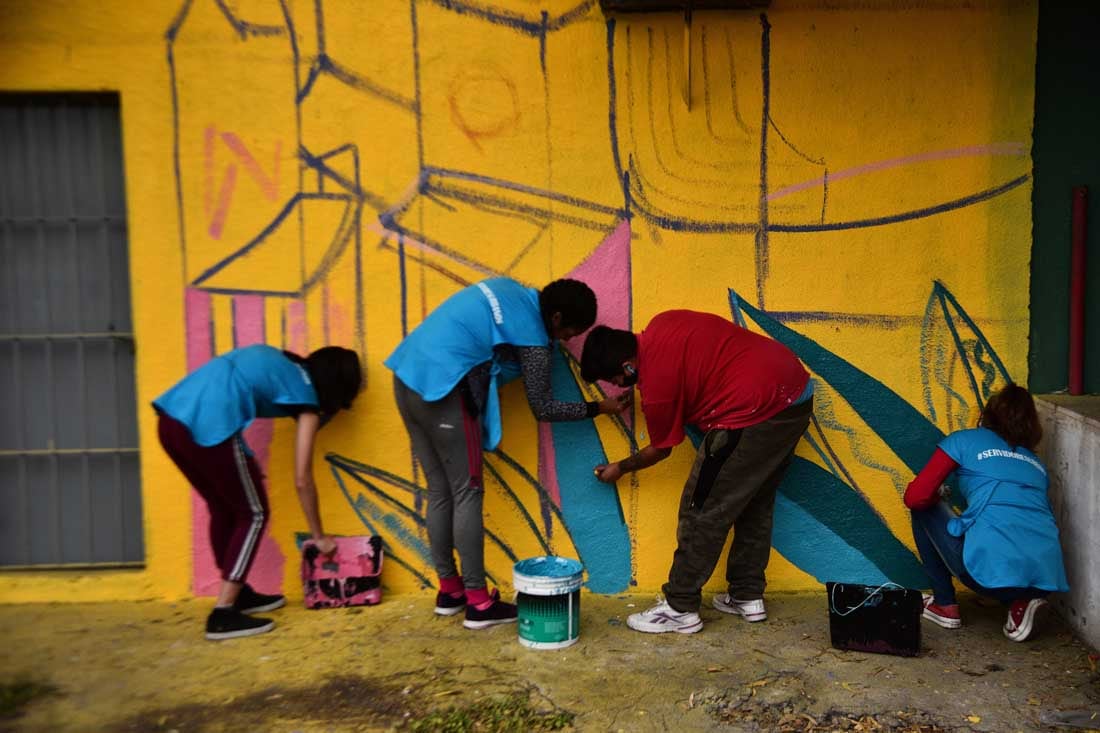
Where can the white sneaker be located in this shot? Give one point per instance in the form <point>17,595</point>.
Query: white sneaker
<point>662,618</point>
<point>751,610</point>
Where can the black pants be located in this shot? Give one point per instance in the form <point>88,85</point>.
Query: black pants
<point>732,485</point>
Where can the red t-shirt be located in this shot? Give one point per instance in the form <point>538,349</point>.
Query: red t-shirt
<point>701,369</point>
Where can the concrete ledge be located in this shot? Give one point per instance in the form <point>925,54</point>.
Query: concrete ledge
<point>1071,452</point>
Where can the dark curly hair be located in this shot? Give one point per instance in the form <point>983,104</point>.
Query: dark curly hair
<point>573,299</point>
<point>605,350</point>
<point>1010,413</point>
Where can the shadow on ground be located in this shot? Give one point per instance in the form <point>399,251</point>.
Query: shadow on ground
<point>145,667</point>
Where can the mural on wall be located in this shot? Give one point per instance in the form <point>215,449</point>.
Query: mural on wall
<point>341,168</point>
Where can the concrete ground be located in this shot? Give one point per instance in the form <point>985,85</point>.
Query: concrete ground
<point>146,667</point>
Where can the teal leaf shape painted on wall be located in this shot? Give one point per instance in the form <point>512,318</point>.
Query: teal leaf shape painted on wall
<point>952,343</point>
<point>908,433</point>
<point>846,540</point>
<point>823,525</point>
<point>590,509</point>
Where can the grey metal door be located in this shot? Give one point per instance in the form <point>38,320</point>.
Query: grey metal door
<point>69,478</point>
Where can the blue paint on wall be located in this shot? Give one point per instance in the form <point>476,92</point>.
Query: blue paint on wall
<point>828,558</point>
<point>590,509</point>
<point>841,520</point>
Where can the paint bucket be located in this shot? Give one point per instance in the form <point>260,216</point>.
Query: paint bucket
<point>548,601</point>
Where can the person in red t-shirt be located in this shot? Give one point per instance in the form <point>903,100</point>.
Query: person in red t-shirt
<point>753,399</point>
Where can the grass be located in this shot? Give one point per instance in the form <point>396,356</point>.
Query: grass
<point>500,715</point>
<point>15,695</point>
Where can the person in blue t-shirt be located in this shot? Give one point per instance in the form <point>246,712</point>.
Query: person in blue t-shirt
<point>446,375</point>
<point>1005,544</point>
<point>200,425</point>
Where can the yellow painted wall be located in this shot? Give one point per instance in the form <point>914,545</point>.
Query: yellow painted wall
<point>888,227</point>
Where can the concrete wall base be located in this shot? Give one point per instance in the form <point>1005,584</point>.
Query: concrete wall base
<point>1071,452</point>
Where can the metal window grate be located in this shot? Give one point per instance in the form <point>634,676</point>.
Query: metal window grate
<point>69,474</point>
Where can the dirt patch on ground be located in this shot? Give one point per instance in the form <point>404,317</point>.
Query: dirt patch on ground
<point>781,704</point>
<point>346,699</point>
<point>16,694</point>
<point>406,701</point>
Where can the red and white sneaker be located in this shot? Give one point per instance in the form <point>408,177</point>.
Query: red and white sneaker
<point>946,616</point>
<point>1021,618</point>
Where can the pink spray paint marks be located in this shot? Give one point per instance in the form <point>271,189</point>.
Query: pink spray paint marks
<point>993,149</point>
<point>267,569</point>
<point>266,574</point>
<point>297,331</point>
<point>198,317</point>
<point>607,272</point>
<point>225,196</point>
<point>548,475</point>
<point>268,184</point>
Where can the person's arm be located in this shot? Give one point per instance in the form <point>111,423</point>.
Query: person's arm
<point>646,457</point>
<point>535,363</point>
<point>308,425</point>
<point>923,491</point>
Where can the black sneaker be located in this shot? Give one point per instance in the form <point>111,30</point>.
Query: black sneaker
<point>448,605</point>
<point>249,601</point>
<point>229,623</point>
<point>498,612</point>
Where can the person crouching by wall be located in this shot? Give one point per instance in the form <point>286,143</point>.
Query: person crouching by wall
<point>1005,545</point>
<point>200,426</point>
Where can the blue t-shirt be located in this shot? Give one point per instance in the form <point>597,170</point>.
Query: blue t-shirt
<point>1011,540</point>
<point>223,396</point>
<point>462,333</point>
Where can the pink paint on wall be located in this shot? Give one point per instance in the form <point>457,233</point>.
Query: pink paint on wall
<point>268,184</point>
<point>297,332</point>
<point>340,331</point>
<point>225,196</point>
<point>993,149</point>
<point>208,170</point>
<point>266,574</point>
<point>198,316</point>
<point>548,476</point>
<point>607,272</point>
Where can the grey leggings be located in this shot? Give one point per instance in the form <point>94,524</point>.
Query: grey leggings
<point>446,441</point>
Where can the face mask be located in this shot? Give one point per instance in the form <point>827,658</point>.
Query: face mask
<point>630,377</point>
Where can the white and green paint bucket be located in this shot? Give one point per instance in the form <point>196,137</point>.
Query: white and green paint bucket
<point>548,601</point>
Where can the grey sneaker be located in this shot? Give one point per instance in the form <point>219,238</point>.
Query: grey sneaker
<point>662,618</point>
<point>750,610</point>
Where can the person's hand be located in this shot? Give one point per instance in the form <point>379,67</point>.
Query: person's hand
<point>615,405</point>
<point>325,544</point>
<point>609,473</point>
<point>944,491</point>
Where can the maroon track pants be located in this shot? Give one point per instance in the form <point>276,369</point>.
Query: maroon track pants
<point>230,482</point>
